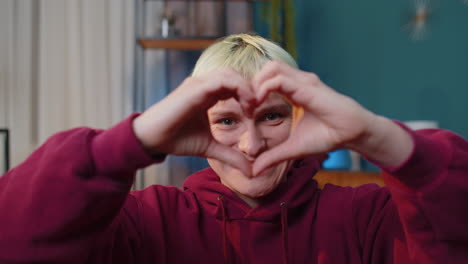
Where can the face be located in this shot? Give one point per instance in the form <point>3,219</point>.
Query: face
<point>269,126</point>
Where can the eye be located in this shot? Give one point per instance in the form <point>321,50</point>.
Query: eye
<point>270,117</point>
<point>226,121</point>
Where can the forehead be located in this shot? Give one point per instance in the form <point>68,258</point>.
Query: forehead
<point>231,104</point>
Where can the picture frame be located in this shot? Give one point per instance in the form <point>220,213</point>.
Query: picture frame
<point>4,150</point>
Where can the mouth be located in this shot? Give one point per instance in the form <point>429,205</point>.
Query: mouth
<point>250,177</point>
<point>249,159</point>
<point>265,173</point>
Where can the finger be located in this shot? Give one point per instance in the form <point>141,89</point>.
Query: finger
<point>275,156</point>
<point>245,93</point>
<point>298,85</point>
<point>269,70</point>
<point>283,85</point>
<point>228,83</point>
<point>279,84</point>
<point>231,157</point>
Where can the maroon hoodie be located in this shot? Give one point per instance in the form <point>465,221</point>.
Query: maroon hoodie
<point>69,202</point>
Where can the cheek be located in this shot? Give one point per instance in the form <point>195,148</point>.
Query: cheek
<point>277,134</point>
<point>215,165</point>
<point>225,137</point>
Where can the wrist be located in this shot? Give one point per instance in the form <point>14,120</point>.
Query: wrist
<point>138,126</point>
<point>139,131</point>
<point>384,142</point>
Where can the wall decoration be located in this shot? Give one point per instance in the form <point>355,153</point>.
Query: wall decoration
<point>417,26</point>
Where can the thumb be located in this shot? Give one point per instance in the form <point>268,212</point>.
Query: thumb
<point>275,156</point>
<point>231,157</point>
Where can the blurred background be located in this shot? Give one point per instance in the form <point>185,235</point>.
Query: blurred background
<point>93,62</point>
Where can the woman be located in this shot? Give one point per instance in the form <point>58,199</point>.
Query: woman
<point>262,124</point>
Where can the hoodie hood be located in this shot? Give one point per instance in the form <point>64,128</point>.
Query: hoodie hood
<point>294,192</point>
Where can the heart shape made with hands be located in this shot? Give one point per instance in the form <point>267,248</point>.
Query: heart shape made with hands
<point>292,147</point>
<point>323,120</point>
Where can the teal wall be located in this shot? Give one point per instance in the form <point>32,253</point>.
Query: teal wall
<point>360,49</point>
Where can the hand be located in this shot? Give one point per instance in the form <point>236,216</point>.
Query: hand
<point>178,124</point>
<point>325,120</point>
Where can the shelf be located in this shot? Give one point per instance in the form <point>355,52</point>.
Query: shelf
<point>347,178</point>
<point>207,0</point>
<point>176,44</point>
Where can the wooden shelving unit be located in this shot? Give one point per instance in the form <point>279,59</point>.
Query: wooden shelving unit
<point>187,44</point>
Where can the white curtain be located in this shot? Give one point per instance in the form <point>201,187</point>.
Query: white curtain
<point>68,63</point>
<point>85,63</point>
<point>63,64</point>
<point>18,26</point>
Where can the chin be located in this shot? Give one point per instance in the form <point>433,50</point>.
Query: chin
<point>255,187</point>
<point>259,186</point>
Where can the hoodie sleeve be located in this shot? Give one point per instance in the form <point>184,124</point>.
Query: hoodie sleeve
<point>58,202</point>
<point>428,194</point>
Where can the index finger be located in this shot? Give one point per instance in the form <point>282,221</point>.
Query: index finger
<point>226,83</point>
<point>269,70</point>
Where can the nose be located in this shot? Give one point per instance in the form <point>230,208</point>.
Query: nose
<point>251,142</point>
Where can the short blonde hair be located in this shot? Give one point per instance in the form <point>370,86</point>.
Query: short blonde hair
<point>244,53</point>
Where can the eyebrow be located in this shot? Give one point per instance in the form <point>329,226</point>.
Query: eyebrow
<point>223,113</point>
<point>282,108</point>
<point>278,107</point>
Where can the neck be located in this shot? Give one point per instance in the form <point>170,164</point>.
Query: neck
<point>252,202</point>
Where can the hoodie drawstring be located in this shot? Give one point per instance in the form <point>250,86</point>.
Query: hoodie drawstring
<point>225,242</point>
<point>284,230</point>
